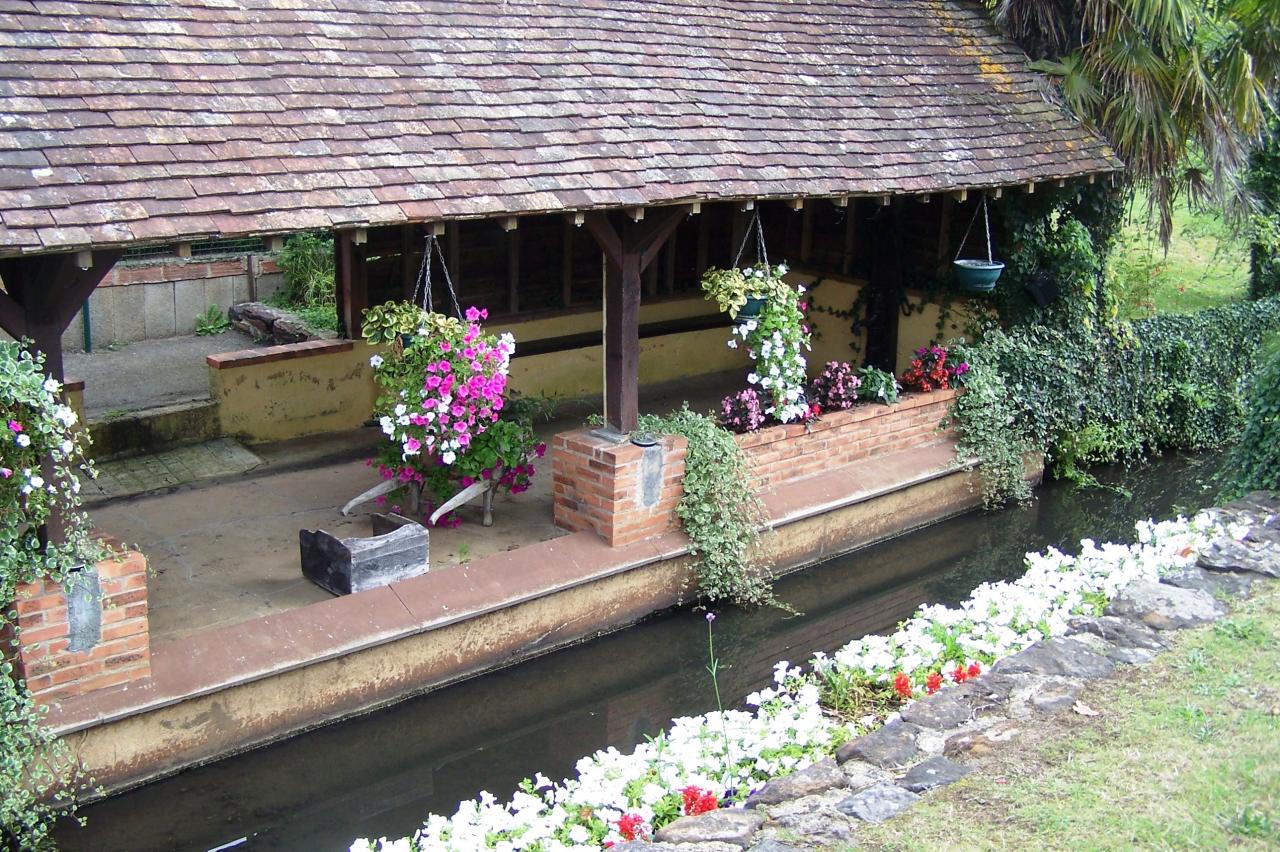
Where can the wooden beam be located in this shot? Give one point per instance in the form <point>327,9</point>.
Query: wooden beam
<point>352,282</point>
<point>669,273</point>
<point>12,318</point>
<point>704,246</point>
<point>651,280</point>
<point>944,232</point>
<point>453,234</point>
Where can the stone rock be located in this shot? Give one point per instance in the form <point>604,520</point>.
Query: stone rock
<point>934,772</point>
<point>973,743</point>
<point>891,746</point>
<point>1059,656</point>
<point>1119,631</point>
<point>1213,582</point>
<point>770,845</point>
<point>270,324</point>
<point>1165,607</point>
<point>1237,556</point>
<point>878,803</point>
<point>1001,685</point>
<point>944,709</point>
<point>290,329</point>
<point>1056,695</point>
<point>861,774</point>
<point>821,776</point>
<point>1131,656</point>
<point>794,807</point>
<point>722,826</point>
<point>824,828</point>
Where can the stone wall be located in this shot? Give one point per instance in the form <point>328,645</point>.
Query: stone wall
<point>838,438</point>
<point>91,635</point>
<point>622,491</point>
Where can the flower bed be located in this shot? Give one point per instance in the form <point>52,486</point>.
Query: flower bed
<point>837,438</point>
<point>716,759</point>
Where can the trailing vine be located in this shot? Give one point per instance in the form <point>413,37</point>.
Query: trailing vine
<point>719,511</point>
<point>1263,180</point>
<point>1254,463</point>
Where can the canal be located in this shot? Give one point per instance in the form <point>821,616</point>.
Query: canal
<point>382,773</point>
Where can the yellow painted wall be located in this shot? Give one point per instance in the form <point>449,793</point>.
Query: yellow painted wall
<point>921,328</point>
<point>326,392</point>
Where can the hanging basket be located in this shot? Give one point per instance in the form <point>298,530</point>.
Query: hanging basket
<point>977,276</point>
<point>754,305</point>
<point>974,275</point>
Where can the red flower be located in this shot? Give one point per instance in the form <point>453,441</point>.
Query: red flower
<point>960,675</point>
<point>933,683</point>
<point>698,801</point>
<point>974,670</point>
<point>902,685</point>
<point>631,827</point>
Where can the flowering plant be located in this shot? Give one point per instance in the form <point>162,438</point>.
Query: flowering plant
<point>836,388</point>
<point>776,340</point>
<point>742,411</point>
<point>35,425</point>
<point>878,385</point>
<point>732,287</point>
<point>930,371</point>
<point>615,797</point>
<point>444,393</point>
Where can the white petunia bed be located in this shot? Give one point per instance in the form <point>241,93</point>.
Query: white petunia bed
<point>722,757</point>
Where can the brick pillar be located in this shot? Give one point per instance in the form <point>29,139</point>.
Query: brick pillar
<point>88,635</point>
<point>623,492</point>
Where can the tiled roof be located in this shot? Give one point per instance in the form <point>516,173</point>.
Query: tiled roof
<point>158,120</point>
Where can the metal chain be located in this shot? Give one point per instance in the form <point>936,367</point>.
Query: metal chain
<point>755,227</point>
<point>423,287</point>
<point>986,221</point>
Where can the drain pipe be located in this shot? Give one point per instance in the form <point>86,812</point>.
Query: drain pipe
<point>88,327</point>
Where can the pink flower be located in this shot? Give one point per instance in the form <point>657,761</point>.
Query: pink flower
<point>540,450</point>
<point>444,346</point>
<point>5,473</point>
<point>15,426</point>
<point>412,445</point>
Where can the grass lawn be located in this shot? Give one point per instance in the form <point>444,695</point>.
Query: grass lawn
<point>1206,265</point>
<point>1185,754</point>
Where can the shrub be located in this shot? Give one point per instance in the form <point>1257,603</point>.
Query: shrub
<point>836,387</point>
<point>1254,464</point>
<point>308,267</point>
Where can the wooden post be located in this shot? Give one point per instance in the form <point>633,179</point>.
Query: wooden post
<point>704,243</point>
<point>566,268</point>
<point>669,276</point>
<point>944,232</point>
<point>454,237</point>
<point>651,280</point>
<point>353,282</point>
<point>806,233</point>
<point>850,236</point>
<point>513,270</point>
<point>408,275</point>
<point>629,248</point>
<point>886,288</point>
<point>42,296</point>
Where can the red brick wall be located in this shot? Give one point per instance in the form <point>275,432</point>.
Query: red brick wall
<point>122,654</point>
<point>786,453</point>
<point>598,486</point>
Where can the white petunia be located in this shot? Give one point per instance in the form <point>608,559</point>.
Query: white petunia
<point>376,361</point>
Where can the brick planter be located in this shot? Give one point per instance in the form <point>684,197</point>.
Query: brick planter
<point>89,637</point>
<point>623,492</point>
<point>786,453</point>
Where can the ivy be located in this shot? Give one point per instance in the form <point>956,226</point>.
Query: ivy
<point>719,511</point>
<point>1254,463</point>
<point>1083,396</point>
<point>1263,181</point>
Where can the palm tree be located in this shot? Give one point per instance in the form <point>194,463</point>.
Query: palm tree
<point>1179,87</point>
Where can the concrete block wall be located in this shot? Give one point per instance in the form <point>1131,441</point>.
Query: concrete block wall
<point>90,635</point>
<point>155,301</point>
<point>624,492</point>
<point>796,451</point>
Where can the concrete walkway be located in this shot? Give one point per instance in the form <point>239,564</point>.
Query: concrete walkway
<point>149,373</point>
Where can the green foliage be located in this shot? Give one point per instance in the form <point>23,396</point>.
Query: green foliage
<point>877,385</point>
<point>212,321</point>
<point>1082,395</point>
<point>385,323</point>
<point>1263,180</point>
<point>1254,463</point>
<point>36,770</point>
<point>730,288</point>
<point>719,512</point>
<point>308,266</point>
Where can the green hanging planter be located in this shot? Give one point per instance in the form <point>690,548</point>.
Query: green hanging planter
<point>751,309</point>
<point>977,276</point>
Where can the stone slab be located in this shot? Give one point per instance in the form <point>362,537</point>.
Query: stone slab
<point>1165,607</point>
<point>879,803</point>
<point>888,747</point>
<point>932,773</point>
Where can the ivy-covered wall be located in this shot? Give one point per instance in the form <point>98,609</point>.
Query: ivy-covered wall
<point>1263,180</point>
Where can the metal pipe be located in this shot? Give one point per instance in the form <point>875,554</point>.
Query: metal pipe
<point>87,326</point>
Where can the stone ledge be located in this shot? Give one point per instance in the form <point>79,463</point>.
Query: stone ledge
<point>284,352</point>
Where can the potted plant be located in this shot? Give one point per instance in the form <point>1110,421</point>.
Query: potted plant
<point>929,370</point>
<point>742,293</point>
<point>776,340</point>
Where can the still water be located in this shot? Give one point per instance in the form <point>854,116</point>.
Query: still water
<point>380,774</point>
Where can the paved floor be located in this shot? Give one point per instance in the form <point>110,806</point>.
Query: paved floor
<point>149,373</point>
<point>223,548</point>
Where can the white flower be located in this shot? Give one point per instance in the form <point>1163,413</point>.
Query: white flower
<point>448,457</point>
<point>733,344</point>
<point>36,482</point>
<point>23,439</point>
<point>388,425</point>
<point>68,447</point>
<point>753,378</point>
<point>52,385</point>
<point>375,362</point>
<point>65,415</point>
